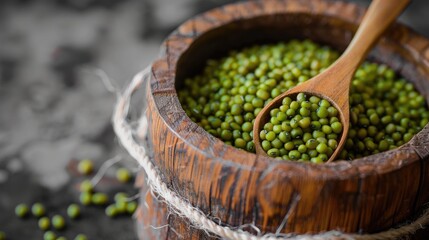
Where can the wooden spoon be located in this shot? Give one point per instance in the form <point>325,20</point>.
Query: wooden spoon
<point>333,84</point>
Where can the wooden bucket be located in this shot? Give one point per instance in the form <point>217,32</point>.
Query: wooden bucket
<point>365,195</point>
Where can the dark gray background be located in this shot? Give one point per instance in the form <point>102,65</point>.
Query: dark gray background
<point>53,107</point>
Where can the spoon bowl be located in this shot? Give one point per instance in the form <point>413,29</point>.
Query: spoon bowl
<point>261,119</point>
<point>333,84</point>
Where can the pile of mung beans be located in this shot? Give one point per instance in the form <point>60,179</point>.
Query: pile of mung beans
<point>385,110</point>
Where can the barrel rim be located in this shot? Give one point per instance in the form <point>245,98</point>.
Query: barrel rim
<point>163,69</point>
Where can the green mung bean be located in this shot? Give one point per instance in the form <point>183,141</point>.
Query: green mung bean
<point>44,223</point>
<point>81,237</point>
<point>58,222</point>
<point>123,175</point>
<point>21,210</point>
<point>73,211</point>
<point>38,210</point>
<point>49,235</point>
<point>228,95</point>
<point>85,166</point>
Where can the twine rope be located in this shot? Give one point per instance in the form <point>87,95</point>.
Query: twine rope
<point>197,218</point>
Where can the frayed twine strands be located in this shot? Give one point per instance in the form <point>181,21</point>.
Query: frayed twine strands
<point>196,217</point>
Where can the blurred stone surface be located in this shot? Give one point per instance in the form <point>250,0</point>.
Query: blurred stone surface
<point>54,107</point>
<point>56,155</point>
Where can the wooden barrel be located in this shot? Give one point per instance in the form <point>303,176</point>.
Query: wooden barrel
<point>236,187</point>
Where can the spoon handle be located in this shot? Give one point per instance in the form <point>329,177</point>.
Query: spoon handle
<point>380,15</point>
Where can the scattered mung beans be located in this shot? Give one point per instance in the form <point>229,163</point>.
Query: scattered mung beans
<point>73,211</point>
<point>44,223</point>
<point>123,175</point>
<point>121,206</point>
<point>81,237</point>
<point>58,222</point>
<point>38,210</point>
<point>131,207</point>
<point>85,166</point>
<point>86,186</point>
<point>99,198</point>
<point>49,235</point>
<point>120,196</point>
<point>111,211</point>
<point>85,198</point>
<point>21,210</point>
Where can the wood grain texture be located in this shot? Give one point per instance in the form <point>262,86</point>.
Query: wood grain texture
<point>365,195</point>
